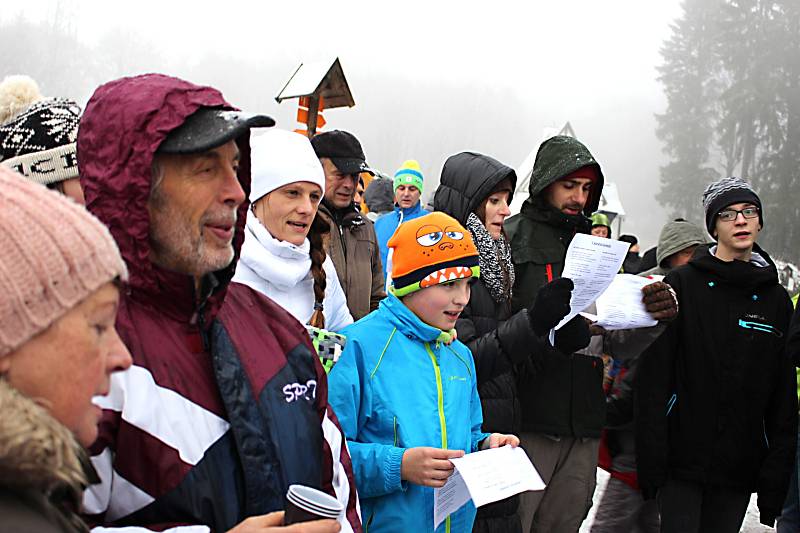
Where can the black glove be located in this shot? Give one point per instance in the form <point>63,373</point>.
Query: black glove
<point>573,336</point>
<point>551,305</point>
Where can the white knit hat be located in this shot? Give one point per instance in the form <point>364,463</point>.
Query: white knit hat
<point>280,157</point>
<point>53,255</point>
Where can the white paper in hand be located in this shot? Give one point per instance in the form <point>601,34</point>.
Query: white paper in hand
<point>485,477</point>
<point>591,263</point>
<point>621,306</point>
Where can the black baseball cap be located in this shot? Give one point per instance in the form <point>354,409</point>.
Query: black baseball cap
<point>209,127</point>
<point>343,149</point>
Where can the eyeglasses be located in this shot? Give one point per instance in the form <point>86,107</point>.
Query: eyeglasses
<point>729,215</point>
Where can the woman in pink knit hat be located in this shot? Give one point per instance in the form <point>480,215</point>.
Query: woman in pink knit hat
<point>60,272</point>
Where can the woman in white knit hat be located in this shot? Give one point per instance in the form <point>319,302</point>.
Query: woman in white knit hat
<point>59,276</point>
<point>283,255</point>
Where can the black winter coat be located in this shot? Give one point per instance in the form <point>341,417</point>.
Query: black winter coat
<point>715,396</point>
<point>565,396</point>
<point>498,340</point>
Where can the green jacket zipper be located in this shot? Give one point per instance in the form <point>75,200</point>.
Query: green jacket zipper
<point>440,406</point>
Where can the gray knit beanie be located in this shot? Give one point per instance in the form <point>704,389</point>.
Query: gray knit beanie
<point>724,192</point>
<point>53,255</point>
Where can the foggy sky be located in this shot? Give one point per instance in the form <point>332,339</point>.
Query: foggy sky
<point>429,78</point>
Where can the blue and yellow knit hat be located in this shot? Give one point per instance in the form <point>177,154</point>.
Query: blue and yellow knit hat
<point>409,173</point>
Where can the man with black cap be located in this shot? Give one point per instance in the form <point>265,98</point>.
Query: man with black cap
<point>225,405</point>
<point>353,245</point>
<point>716,411</point>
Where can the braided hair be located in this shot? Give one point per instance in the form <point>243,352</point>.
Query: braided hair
<point>319,227</point>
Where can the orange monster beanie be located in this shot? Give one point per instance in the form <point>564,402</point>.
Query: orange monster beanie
<point>430,250</point>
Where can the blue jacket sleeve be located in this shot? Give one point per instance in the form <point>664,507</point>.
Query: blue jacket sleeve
<point>382,226</point>
<point>376,466</point>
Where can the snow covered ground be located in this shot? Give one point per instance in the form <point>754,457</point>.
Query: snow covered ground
<point>751,524</point>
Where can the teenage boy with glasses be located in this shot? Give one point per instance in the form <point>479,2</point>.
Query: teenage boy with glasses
<point>716,410</point>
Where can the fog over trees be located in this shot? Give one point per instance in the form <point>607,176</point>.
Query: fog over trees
<point>732,78</point>
<point>666,95</point>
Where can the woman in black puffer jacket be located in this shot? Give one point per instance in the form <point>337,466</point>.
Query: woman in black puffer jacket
<point>476,190</point>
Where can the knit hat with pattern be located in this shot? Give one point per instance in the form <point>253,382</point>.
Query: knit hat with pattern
<point>722,193</point>
<point>53,255</point>
<point>39,142</point>
<point>430,250</point>
<point>37,134</point>
<point>410,173</point>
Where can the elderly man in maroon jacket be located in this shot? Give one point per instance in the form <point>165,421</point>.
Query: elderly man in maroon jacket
<point>225,405</point>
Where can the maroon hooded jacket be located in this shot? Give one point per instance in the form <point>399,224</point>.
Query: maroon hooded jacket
<point>226,404</point>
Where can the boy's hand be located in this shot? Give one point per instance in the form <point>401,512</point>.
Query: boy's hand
<point>428,466</point>
<point>495,440</point>
<point>659,300</point>
<point>273,522</point>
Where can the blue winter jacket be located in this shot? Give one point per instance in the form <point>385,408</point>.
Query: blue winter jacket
<point>387,223</point>
<point>395,387</point>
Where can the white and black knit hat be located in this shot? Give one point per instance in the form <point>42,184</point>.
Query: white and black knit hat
<point>38,141</point>
<point>724,192</point>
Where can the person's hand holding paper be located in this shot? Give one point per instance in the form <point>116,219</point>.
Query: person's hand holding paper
<point>485,477</point>
<point>660,301</point>
<point>551,305</point>
<point>573,336</point>
<point>591,263</point>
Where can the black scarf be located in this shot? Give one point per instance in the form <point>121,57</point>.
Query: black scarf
<point>497,271</point>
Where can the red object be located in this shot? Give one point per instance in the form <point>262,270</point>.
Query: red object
<point>549,268</point>
<point>589,171</point>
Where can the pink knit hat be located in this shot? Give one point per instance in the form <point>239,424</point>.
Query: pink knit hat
<point>53,254</point>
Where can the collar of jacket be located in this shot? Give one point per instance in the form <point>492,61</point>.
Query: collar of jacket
<point>408,211</point>
<point>539,210</point>
<point>346,217</point>
<point>737,273</point>
<point>280,263</point>
<point>39,454</point>
<point>406,321</point>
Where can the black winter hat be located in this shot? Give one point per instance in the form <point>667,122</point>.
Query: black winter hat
<point>724,192</point>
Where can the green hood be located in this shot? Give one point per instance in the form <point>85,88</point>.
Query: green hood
<point>557,157</point>
<point>675,236</point>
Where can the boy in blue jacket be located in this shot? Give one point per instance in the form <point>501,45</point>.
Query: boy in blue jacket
<point>404,389</point>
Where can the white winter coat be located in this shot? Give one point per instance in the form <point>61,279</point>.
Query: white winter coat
<point>282,271</point>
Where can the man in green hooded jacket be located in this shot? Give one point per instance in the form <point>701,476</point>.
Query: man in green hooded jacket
<point>563,405</point>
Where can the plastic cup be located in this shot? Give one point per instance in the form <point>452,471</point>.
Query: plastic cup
<point>304,504</point>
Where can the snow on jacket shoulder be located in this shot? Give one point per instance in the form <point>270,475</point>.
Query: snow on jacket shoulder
<point>281,271</point>
<point>716,393</point>
<point>395,388</point>
<point>226,402</point>
<point>386,225</point>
